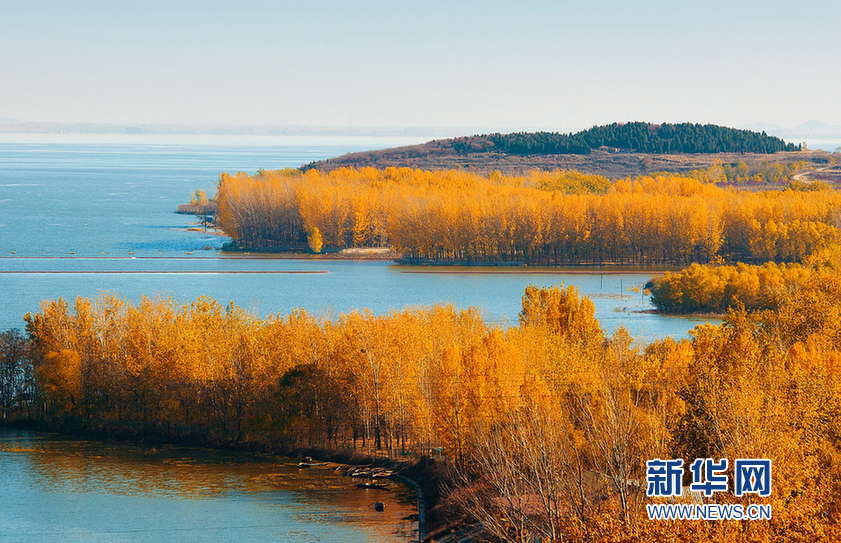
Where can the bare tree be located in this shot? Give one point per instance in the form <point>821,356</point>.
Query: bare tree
<point>526,478</point>
<point>16,372</point>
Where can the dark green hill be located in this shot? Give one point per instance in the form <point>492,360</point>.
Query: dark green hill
<point>635,137</point>
<point>614,150</point>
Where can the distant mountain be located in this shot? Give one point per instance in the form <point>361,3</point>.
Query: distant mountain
<point>816,129</point>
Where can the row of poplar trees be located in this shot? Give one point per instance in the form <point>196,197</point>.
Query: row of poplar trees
<point>544,218</point>
<point>548,424</point>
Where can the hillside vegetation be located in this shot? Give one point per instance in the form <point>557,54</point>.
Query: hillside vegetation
<point>615,150</point>
<point>635,137</point>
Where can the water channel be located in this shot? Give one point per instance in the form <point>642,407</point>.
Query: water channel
<point>67,490</point>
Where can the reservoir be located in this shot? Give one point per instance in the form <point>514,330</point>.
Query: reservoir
<point>80,215</point>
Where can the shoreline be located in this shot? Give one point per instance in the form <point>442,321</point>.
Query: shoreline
<point>299,256</point>
<point>443,266</point>
<point>416,474</point>
<point>534,271</point>
<point>354,253</point>
<point>427,268</point>
<point>692,314</point>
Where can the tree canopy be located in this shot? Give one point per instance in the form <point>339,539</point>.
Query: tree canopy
<point>542,218</point>
<point>637,137</point>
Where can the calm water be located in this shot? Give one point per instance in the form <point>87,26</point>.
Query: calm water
<point>64,490</point>
<point>77,218</point>
<point>829,145</point>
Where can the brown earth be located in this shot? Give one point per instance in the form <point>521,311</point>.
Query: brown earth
<point>608,163</point>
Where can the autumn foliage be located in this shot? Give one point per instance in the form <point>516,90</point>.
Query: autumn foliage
<point>716,288</point>
<point>548,424</point>
<point>543,218</point>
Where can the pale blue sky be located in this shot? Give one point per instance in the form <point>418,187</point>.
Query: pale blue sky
<point>497,65</point>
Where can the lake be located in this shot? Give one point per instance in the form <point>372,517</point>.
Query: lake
<point>66,490</point>
<point>83,214</point>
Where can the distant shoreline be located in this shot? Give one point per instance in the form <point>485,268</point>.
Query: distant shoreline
<point>523,270</point>
<point>693,314</point>
<point>445,267</point>
<point>356,253</point>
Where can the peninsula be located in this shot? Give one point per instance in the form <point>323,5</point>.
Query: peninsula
<point>614,151</point>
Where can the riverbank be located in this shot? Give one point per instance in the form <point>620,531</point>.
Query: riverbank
<point>678,314</point>
<point>466,270</point>
<point>355,253</point>
<point>66,489</point>
<point>426,476</point>
<point>443,266</point>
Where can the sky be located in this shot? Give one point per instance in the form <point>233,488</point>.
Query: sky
<point>524,65</point>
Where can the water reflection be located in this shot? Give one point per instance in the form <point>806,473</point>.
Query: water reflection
<point>61,489</point>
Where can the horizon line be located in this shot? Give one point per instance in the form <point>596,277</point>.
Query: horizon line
<point>17,126</point>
